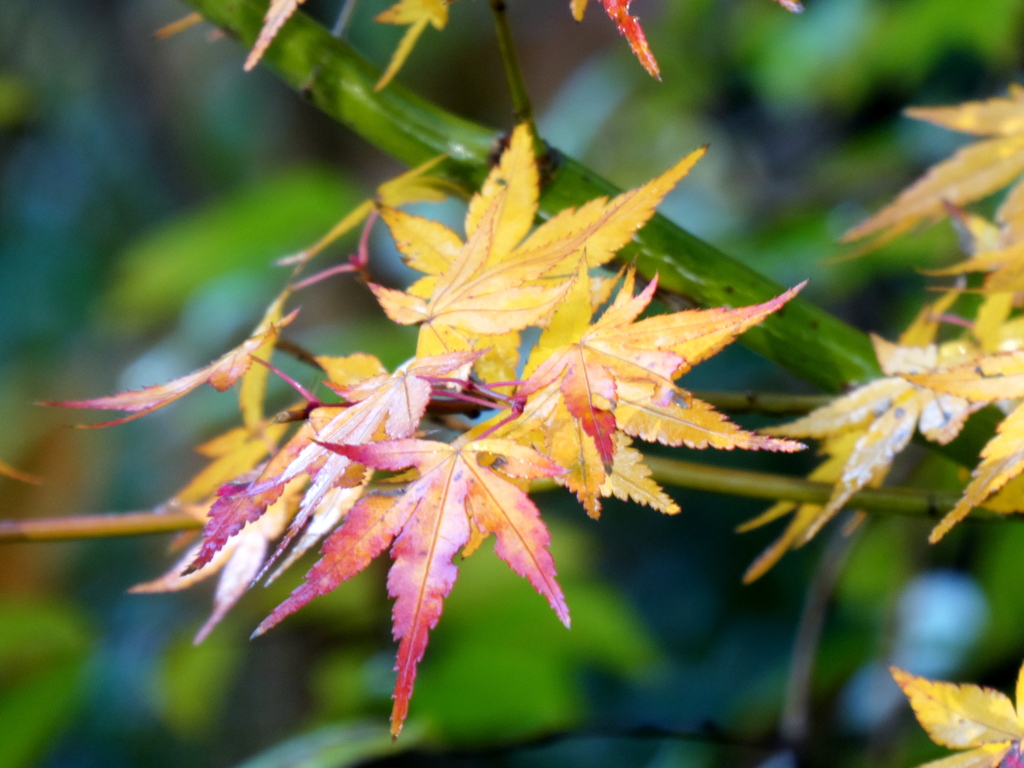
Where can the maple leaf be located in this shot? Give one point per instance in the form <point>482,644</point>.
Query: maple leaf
<point>985,380</point>
<point>416,14</point>
<point>629,27</point>
<point>866,429</point>
<point>970,174</point>
<point>237,562</point>
<point>968,717</point>
<point>220,374</point>
<point>586,382</point>
<point>459,489</point>
<point>472,301</point>
<point>619,372</point>
<point>233,454</point>
<point>388,404</point>
<point>480,293</point>
<point>998,252</point>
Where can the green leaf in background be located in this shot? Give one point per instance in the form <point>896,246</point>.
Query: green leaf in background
<point>192,684</point>
<point>333,746</point>
<point>17,102</point>
<point>245,232</point>
<point>502,667</point>
<point>43,650</point>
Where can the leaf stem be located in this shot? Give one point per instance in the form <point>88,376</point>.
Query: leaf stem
<point>521,107</point>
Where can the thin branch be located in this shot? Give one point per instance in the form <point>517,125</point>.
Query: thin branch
<point>344,17</point>
<point>772,403</point>
<point>796,710</point>
<point>95,526</point>
<point>522,109</point>
<point>905,502</point>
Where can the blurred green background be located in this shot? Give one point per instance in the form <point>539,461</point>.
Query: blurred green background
<point>145,187</point>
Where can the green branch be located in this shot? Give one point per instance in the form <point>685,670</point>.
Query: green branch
<point>801,337</point>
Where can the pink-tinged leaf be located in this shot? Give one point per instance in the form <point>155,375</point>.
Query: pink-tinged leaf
<point>395,401</point>
<point>239,504</point>
<point>229,515</point>
<point>220,374</point>
<point>522,539</point>
<point>368,530</point>
<point>236,563</point>
<point>423,574</point>
<point>247,557</point>
<point>455,483</point>
<point>336,504</point>
<point>629,27</point>
<point>277,14</point>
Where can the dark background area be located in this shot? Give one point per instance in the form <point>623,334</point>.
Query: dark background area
<point>147,185</point>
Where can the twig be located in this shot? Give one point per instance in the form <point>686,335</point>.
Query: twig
<point>796,709</point>
<point>344,16</point>
<point>513,73</point>
<point>95,526</point>
<point>764,402</point>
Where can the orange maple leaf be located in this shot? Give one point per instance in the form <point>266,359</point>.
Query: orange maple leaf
<point>458,490</point>
<point>629,27</point>
<point>618,374</point>
<point>968,717</point>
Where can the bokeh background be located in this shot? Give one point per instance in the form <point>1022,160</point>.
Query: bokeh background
<point>147,185</point>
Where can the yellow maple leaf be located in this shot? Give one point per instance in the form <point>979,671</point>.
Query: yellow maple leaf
<point>864,430</point>
<point>970,174</point>
<point>968,717</point>
<point>985,380</point>
<point>480,293</point>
